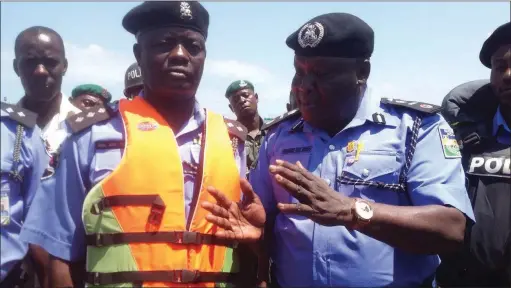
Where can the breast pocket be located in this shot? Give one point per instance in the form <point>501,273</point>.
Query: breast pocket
<point>374,177</point>
<point>291,155</point>
<point>104,162</point>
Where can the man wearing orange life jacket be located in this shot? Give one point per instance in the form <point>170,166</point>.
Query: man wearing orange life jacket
<point>147,227</point>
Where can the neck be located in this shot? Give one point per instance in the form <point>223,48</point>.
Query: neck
<point>252,122</point>
<point>506,114</point>
<point>45,110</point>
<point>175,112</point>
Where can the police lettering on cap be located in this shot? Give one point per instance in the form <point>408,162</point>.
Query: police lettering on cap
<point>333,35</point>
<point>500,37</point>
<point>155,14</point>
<point>133,77</point>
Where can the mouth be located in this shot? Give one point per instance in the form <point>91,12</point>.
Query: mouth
<point>178,73</point>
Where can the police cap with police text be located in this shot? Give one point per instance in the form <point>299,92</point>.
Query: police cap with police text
<point>156,14</point>
<point>500,37</point>
<point>133,77</point>
<point>333,35</point>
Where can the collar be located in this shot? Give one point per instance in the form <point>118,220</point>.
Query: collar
<point>499,124</point>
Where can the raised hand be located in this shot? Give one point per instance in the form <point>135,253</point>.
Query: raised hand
<point>241,221</point>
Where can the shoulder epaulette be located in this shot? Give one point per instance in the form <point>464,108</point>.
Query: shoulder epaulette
<point>21,115</point>
<point>414,105</point>
<point>87,118</point>
<point>279,119</point>
<point>236,128</point>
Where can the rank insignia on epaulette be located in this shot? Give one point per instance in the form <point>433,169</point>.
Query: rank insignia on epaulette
<point>418,106</point>
<point>21,115</point>
<point>236,128</point>
<point>280,118</point>
<point>87,118</point>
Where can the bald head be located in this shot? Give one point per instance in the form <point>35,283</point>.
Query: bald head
<point>36,34</point>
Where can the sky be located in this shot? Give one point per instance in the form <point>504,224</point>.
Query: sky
<point>422,50</point>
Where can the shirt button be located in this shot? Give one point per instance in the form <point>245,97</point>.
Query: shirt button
<point>327,181</point>
<point>331,147</point>
<point>365,173</point>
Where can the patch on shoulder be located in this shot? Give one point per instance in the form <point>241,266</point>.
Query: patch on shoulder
<point>449,144</point>
<point>281,118</point>
<point>414,105</point>
<point>236,128</point>
<point>20,115</point>
<point>87,118</point>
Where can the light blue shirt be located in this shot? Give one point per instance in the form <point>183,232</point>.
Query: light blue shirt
<point>17,196</point>
<point>81,167</point>
<point>500,128</point>
<point>309,254</point>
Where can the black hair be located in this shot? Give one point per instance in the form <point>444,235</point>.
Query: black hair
<point>36,30</point>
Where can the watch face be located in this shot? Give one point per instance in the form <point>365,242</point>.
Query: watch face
<point>364,210</point>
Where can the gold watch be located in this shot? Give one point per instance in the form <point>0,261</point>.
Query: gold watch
<point>362,213</point>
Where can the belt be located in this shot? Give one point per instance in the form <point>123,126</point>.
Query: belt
<point>172,276</point>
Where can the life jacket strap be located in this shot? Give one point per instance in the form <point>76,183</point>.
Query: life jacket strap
<point>173,237</point>
<point>126,200</point>
<point>172,276</point>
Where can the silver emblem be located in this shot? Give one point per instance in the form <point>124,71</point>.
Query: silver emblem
<point>79,119</point>
<point>311,34</point>
<point>9,110</point>
<point>243,83</point>
<point>101,110</point>
<point>21,114</point>
<point>186,10</point>
<point>90,114</point>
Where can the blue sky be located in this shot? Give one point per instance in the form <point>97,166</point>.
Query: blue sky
<point>422,50</point>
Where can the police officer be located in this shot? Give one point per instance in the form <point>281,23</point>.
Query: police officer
<point>23,163</point>
<point>480,113</point>
<point>362,191</point>
<point>145,227</point>
<point>243,102</point>
<point>133,82</point>
<point>87,96</point>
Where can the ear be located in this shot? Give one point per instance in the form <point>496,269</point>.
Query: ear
<point>257,97</point>
<point>65,67</point>
<point>15,66</point>
<point>230,107</point>
<point>363,71</point>
<point>136,52</point>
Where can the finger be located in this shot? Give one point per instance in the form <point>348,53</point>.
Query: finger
<point>297,191</point>
<point>226,234</point>
<point>248,191</point>
<point>219,221</point>
<point>299,209</point>
<point>215,209</point>
<point>293,176</point>
<point>220,198</point>
<point>296,168</point>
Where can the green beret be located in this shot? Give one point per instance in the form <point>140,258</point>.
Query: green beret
<point>92,89</point>
<point>238,85</point>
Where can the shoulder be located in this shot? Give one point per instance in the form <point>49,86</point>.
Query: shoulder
<point>20,115</point>
<point>236,129</point>
<point>288,116</point>
<point>88,118</point>
<point>421,108</point>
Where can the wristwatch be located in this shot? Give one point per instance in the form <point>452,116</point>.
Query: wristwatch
<point>362,213</point>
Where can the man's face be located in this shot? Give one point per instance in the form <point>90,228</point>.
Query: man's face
<point>243,103</point>
<point>326,89</point>
<point>131,92</point>
<point>501,74</point>
<point>40,63</point>
<point>87,101</point>
<point>171,60</point>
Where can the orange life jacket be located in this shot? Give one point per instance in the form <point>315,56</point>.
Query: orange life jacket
<point>135,218</point>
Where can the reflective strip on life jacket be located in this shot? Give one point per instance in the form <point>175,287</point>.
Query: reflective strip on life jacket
<point>134,219</point>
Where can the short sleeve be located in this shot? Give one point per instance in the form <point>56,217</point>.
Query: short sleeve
<point>260,178</point>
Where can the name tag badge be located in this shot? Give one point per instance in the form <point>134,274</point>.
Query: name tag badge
<point>4,209</point>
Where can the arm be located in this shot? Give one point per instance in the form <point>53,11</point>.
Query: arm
<point>436,185</point>
<point>55,222</point>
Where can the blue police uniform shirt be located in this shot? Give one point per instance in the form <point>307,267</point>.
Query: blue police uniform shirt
<point>500,128</point>
<point>18,196</point>
<point>309,254</point>
<point>81,166</point>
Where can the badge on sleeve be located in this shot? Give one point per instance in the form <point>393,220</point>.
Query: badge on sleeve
<point>4,209</point>
<point>449,144</point>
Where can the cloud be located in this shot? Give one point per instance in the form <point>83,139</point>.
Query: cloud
<point>233,69</point>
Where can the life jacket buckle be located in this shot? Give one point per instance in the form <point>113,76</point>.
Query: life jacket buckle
<point>155,216</point>
<point>185,276</point>
<point>190,238</point>
<point>96,281</point>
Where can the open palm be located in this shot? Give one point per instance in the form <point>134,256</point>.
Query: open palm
<point>241,221</point>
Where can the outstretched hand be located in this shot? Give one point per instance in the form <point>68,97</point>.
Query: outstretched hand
<point>240,221</point>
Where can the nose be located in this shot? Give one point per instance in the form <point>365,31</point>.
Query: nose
<point>306,84</point>
<point>179,55</point>
<point>40,70</point>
